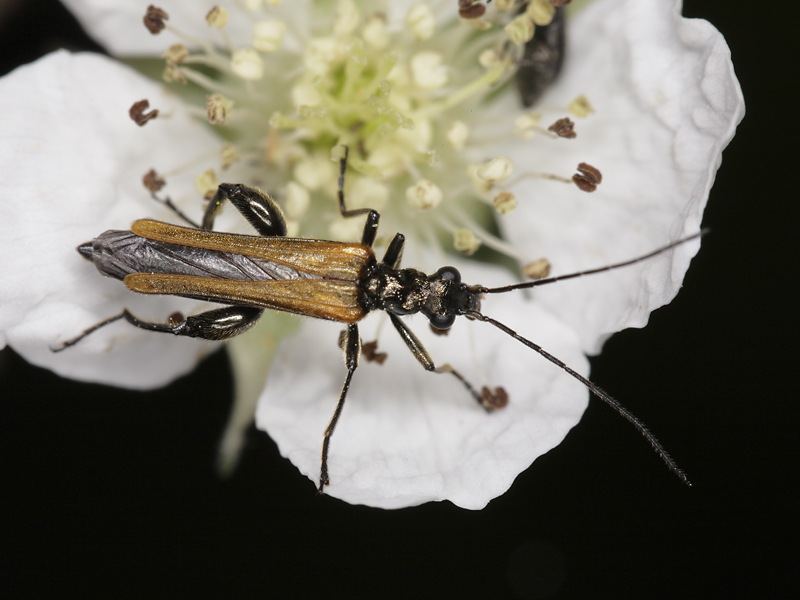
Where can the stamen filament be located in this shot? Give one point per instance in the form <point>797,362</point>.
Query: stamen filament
<point>226,38</point>
<point>214,61</point>
<point>523,176</point>
<point>209,84</point>
<point>207,47</point>
<point>491,76</point>
<point>484,236</point>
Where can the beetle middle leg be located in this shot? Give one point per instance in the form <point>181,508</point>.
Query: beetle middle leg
<point>352,341</point>
<point>352,352</point>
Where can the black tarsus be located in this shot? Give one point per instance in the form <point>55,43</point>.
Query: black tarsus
<point>92,329</point>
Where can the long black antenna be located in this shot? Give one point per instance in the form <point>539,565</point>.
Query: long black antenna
<point>594,388</point>
<point>530,284</point>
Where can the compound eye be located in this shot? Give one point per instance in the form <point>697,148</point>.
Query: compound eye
<point>450,273</point>
<point>443,321</point>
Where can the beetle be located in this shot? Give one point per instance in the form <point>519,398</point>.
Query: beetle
<point>336,281</point>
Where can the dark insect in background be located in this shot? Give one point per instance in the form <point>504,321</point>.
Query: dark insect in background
<point>543,55</point>
<point>542,59</point>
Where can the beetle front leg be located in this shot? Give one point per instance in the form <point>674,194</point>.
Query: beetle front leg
<point>371,226</point>
<point>352,351</point>
<point>487,400</point>
<point>345,212</point>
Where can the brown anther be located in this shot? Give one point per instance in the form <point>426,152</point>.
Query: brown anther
<point>152,181</point>
<point>564,128</point>
<point>589,177</point>
<point>138,115</point>
<point>493,400</point>
<point>558,3</point>
<point>370,352</point>
<point>174,318</point>
<point>469,9</point>
<point>154,19</point>
<point>438,331</point>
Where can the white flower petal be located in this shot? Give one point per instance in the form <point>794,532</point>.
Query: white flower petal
<point>72,165</point>
<point>407,436</point>
<point>667,104</point>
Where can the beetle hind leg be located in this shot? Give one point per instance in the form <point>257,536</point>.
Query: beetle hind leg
<point>217,324</point>
<point>258,208</point>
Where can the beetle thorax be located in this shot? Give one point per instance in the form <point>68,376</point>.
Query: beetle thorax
<point>440,297</point>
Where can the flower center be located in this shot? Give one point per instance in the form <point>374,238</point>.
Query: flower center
<point>405,98</point>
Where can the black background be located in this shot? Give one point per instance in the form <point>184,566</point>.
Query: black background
<point>111,493</point>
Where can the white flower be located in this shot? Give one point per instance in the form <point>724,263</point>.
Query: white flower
<point>665,103</point>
